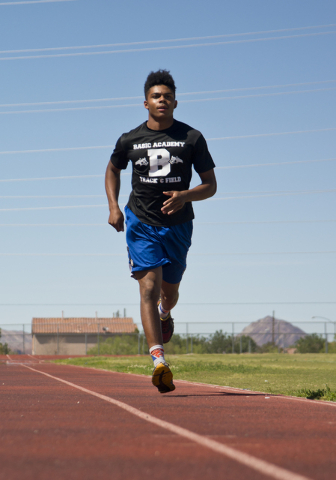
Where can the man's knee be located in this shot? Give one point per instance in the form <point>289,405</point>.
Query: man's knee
<point>150,293</point>
<point>150,285</point>
<point>169,296</point>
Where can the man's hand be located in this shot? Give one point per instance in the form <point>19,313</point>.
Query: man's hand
<point>116,219</point>
<point>174,203</point>
<point>112,186</point>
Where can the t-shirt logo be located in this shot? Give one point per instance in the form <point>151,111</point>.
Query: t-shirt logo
<point>142,162</point>
<point>159,161</point>
<point>175,160</point>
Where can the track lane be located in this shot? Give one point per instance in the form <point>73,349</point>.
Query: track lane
<point>256,464</point>
<point>50,430</point>
<point>296,436</point>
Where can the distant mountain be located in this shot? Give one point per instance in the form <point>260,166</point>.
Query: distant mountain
<point>14,340</point>
<point>285,334</point>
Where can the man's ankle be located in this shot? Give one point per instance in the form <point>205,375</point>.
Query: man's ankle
<point>164,314</point>
<point>157,354</point>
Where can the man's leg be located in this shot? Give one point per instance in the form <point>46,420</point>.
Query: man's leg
<point>168,299</point>
<point>150,285</point>
<point>169,295</point>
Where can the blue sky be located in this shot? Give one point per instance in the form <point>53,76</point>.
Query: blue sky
<point>251,76</point>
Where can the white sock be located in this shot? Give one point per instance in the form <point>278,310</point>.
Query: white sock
<point>157,353</point>
<point>162,312</point>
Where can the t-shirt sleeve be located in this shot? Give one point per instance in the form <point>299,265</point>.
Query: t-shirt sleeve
<point>119,157</point>
<point>202,159</point>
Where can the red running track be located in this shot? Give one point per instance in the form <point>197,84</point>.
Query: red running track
<point>58,422</point>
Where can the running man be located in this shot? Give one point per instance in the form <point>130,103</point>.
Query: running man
<point>159,212</point>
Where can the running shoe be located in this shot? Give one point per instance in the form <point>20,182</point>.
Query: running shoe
<point>167,326</point>
<point>162,378</point>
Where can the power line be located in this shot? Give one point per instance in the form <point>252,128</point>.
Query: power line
<point>285,85</point>
<point>252,222</point>
<point>261,222</point>
<point>67,207</point>
<point>282,192</point>
<point>107,45</point>
<point>71,177</point>
<point>75,177</point>
<point>105,107</point>
<point>72,109</point>
<point>180,304</point>
<point>252,165</point>
<point>55,196</point>
<point>274,192</point>
<point>97,147</point>
<point>193,254</point>
<point>37,1</point>
<point>110,99</point>
<point>47,150</point>
<point>256,95</point>
<point>171,47</point>
<point>271,134</point>
<point>261,253</point>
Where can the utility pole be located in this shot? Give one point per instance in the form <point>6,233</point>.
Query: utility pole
<point>273,328</point>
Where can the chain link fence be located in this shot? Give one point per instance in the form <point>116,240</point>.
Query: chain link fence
<point>189,337</point>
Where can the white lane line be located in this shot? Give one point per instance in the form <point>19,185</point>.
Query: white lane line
<point>260,466</point>
<point>221,387</point>
<point>253,392</point>
<point>36,360</point>
<point>20,362</point>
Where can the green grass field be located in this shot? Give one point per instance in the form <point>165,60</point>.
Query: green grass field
<point>304,375</point>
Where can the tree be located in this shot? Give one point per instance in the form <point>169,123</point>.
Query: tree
<point>4,350</point>
<point>310,344</point>
<point>268,347</point>
<point>126,344</point>
<point>219,342</point>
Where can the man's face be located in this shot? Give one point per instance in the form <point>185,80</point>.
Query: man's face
<point>160,102</point>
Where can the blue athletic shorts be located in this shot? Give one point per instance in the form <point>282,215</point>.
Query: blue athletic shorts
<point>151,247</point>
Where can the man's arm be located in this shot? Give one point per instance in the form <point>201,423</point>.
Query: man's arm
<point>112,187</point>
<point>177,200</point>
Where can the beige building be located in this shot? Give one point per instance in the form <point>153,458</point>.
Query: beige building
<point>75,336</point>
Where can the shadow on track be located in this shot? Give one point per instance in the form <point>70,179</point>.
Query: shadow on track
<point>223,394</point>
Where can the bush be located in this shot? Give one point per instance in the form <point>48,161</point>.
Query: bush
<point>268,347</point>
<point>218,342</point>
<point>246,340</point>
<point>310,344</point>
<point>221,342</point>
<point>319,394</point>
<point>4,349</point>
<point>117,345</point>
<point>178,346</point>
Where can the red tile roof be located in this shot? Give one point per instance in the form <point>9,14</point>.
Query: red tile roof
<point>83,325</point>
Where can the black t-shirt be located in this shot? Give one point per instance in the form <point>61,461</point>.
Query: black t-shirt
<point>162,161</point>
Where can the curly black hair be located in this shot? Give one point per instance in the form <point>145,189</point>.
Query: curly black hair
<point>161,77</point>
